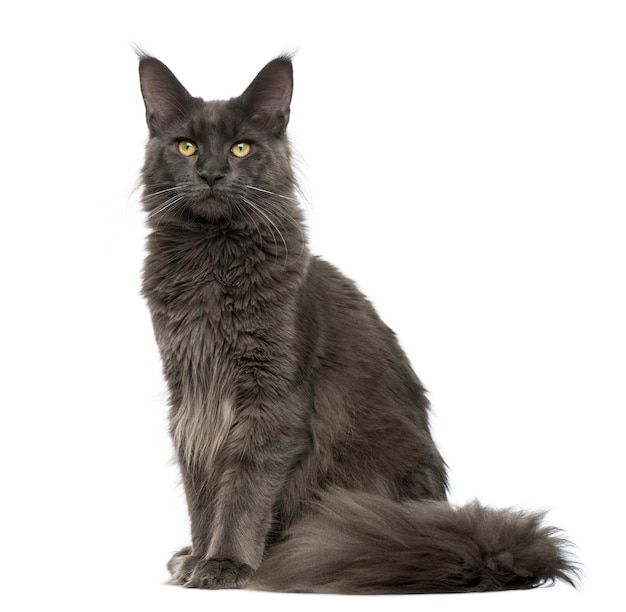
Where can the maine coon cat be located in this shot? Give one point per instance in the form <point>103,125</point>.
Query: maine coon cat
<point>300,428</point>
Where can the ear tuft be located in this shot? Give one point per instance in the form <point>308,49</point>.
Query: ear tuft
<point>164,96</point>
<point>268,97</point>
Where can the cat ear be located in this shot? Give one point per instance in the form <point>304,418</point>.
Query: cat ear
<point>164,96</point>
<point>268,97</point>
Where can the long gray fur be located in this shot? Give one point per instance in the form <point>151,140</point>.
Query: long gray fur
<point>300,428</point>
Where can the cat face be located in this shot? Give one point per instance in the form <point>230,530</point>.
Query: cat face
<point>218,159</point>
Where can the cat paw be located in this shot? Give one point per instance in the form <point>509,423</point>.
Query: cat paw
<point>195,572</point>
<point>179,564</point>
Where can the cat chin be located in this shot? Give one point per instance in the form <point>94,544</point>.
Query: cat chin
<point>211,209</point>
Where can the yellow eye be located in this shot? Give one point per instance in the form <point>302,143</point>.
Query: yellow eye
<point>187,148</point>
<point>241,149</point>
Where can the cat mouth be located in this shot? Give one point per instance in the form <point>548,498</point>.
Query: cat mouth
<point>206,196</point>
<point>208,204</point>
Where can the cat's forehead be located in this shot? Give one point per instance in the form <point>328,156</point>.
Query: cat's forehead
<point>216,118</point>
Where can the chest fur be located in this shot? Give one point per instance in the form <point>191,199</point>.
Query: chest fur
<point>224,317</point>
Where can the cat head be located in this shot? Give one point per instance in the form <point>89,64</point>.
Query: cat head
<point>217,160</point>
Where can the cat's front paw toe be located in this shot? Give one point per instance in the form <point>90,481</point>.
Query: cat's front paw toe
<point>220,574</point>
<point>195,572</point>
<point>181,565</point>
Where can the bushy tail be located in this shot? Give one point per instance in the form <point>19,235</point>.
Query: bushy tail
<point>360,543</point>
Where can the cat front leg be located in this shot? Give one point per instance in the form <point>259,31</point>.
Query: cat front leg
<point>194,566</point>
<point>250,472</point>
<point>197,566</point>
<point>199,490</point>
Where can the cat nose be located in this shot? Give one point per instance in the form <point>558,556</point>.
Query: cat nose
<point>210,177</point>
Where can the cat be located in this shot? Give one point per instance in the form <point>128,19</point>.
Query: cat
<point>301,431</point>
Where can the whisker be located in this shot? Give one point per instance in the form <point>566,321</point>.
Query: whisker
<point>272,193</point>
<point>167,205</point>
<point>284,217</point>
<point>244,211</point>
<point>263,202</point>
<point>270,225</point>
<point>269,220</point>
<point>157,194</point>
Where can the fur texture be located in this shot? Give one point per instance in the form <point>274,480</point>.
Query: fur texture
<point>300,428</point>
<point>359,543</point>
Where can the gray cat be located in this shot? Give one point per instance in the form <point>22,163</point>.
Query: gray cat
<point>300,428</point>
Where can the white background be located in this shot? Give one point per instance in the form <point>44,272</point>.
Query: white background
<point>464,163</point>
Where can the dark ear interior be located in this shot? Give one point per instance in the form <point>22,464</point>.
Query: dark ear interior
<point>164,96</point>
<point>268,97</point>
